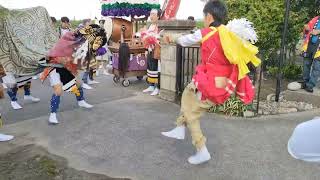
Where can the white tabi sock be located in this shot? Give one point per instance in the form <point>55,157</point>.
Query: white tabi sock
<point>200,157</point>
<point>31,98</point>
<point>176,133</point>
<point>53,119</point>
<point>15,105</point>
<point>149,89</point>
<point>84,104</point>
<point>4,137</point>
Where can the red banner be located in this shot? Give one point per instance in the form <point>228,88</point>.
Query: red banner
<point>171,9</point>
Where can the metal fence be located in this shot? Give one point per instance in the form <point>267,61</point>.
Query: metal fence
<point>187,59</point>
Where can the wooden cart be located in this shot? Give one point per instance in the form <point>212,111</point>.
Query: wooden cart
<point>136,49</point>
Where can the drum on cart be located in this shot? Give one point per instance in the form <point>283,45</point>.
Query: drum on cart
<point>113,28</point>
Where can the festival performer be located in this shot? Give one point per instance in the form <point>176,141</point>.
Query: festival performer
<point>151,41</point>
<point>89,72</point>
<point>103,60</point>
<point>13,83</point>
<point>222,72</point>
<point>311,54</point>
<point>21,46</point>
<point>63,60</point>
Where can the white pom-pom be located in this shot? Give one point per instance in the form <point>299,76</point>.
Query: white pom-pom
<point>244,29</point>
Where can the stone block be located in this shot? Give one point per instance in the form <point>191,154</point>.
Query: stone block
<point>164,82</point>
<point>294,86</point>
<point>168,52</point>
<point>248,114</point>
<point>287,110</point>
<point>168,68</point>
<point>168,82</point>
<point>168,95</point>
<point>176,25</point>
<point>272,97</point>
<point>172,83</point>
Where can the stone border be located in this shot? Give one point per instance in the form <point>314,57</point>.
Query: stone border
<point>265,117</point>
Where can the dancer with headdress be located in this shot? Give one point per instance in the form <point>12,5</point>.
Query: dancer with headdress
<point>222,72</point>
<point>62,64</point>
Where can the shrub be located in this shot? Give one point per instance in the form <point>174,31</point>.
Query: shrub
<point>290,71</point>
<point>232,107</point>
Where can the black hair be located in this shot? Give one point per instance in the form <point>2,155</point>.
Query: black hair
<point>191,18</point>
<point>102,21</point>
<point>65,19</point>
<point>53,19</point>
<point>217,9</point>
<point>159,13</point>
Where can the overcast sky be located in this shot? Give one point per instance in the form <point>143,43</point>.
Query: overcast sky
<point>81,9</point>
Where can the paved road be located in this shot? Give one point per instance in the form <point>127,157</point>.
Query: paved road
<point>104,92</point>
<point>121,137</point>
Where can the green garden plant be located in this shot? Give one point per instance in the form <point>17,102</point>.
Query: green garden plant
<point>232,107</point>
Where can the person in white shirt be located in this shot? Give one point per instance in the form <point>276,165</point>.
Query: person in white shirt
<point>65,26</point>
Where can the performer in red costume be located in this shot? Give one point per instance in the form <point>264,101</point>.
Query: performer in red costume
<point>222,72</point>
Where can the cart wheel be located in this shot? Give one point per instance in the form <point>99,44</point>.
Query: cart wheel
<point>116,79</point>
<point>126,83</point>
<point>139,78</point>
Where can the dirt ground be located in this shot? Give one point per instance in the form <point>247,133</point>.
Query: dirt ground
<point>35,163</point>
